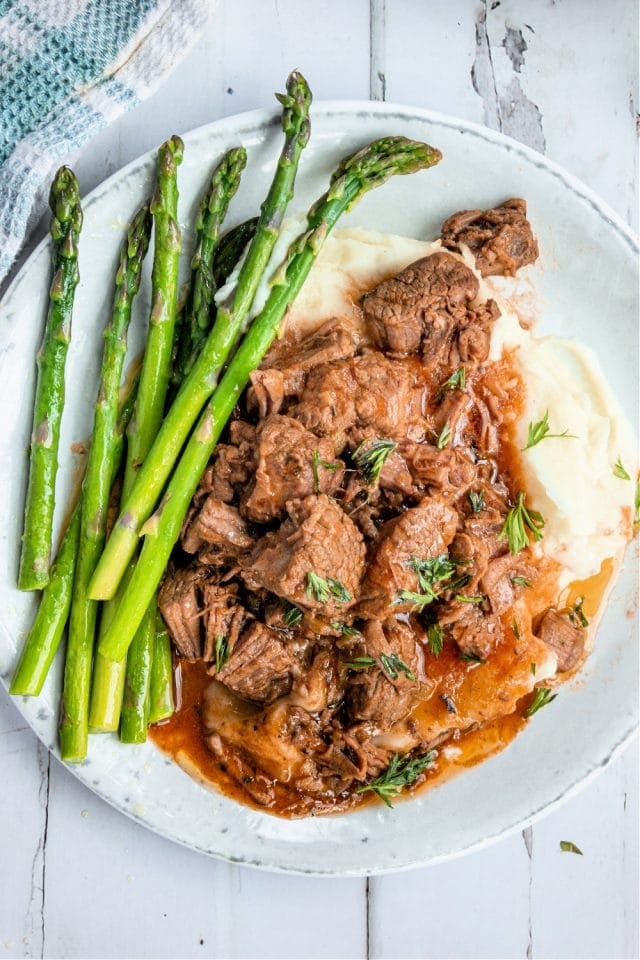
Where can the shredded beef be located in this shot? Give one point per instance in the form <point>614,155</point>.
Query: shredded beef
<point>501,238</point>
<point>179,601</point>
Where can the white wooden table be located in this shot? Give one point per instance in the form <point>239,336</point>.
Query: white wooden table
<point>80,880</point>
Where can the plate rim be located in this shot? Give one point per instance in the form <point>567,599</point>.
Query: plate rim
<point>261,119</point>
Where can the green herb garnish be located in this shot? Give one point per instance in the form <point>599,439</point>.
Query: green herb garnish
<point>435,638</point>
<point>401,772</point>
<point>516,629</point>
<point>393,666</point>
<point>344,629</point>
<point>445,436</point>
<point>521,581</point>
<point>360,663</point>
<point>370,457</point>
<point>430,572</point>
<point>542,697</point>
<point>222,652</point>
<point>323,589</point>
<point>517,522</point>
<point>619,470</point>
<point>568,847</point>
<point>316,462</point>
<point>476,500</point>
<point>292,615</point>
<point>576,614</point>
<point>533,669</point>
<point>472,658</point>
<point>456,381</point>
<point>540,431</point>
<point>463,598</point>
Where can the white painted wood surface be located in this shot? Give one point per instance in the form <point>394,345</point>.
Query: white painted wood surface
<point>78,879</point>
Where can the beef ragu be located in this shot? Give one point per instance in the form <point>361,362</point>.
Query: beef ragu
<point>347,602</point>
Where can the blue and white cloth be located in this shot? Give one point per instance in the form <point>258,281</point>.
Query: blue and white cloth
<point>67,69</point>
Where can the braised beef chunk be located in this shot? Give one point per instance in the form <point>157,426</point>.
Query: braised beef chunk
<point>223,619</point>
<point>315,559</point>
<point>501,238</point>
<point>475,633</point>
<point>368,395</point>
<point>179,601</point>
<point>292,464</point>
<point>567,640</point>
<point>293,361</point>
<point>233,463</point>
<point>425,301</point>
<point>259,665</point>
<point>218,525</point>
<point>497,581</point>
<point>267,391</point>
<point>387,690</point>
<point>449,471</point>
<point>421,533</point>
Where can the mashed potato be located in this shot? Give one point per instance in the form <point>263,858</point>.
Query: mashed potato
<point>588,511</point>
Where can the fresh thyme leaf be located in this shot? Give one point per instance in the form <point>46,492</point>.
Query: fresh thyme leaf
<point>222,652</point>
<point>521,581</point>
<point>540,431</point>
<point>476,500</point>
<point>445,436</point>
<point>533,669</point>
<point>433,570</point>
<point>577,615</point>
<point>518,521</point>
<point>344,629</point>
<point>472,658</point>
<point>370,457</point>
<point>292,616</point>
<point>418,600</point>
<point>393,666</point>
<point>339,590</point>
<point>456,381</point>
<point>463,598</point>
<point>516,629</point>
<point>401,772</point>
<point>435,639</point>
<point>360,663</point>
<point>568,847</point>
<point>542,697</point>
<point>323,589</point>
<point>619,470</point>
<point>316,462</point>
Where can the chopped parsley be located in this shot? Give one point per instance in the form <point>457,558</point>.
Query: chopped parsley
<point>619,470</point>
<point>540,431</point>
<point>476,500</point>
<point>324,589</point>
<point>371,456</point>
<point>430,573</point>
<point>401,772</point>
<point>542,697</point>
<point>518,521</point>
<point>222,652</point>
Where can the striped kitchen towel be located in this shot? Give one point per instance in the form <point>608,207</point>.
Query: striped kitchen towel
<point>67,68</point>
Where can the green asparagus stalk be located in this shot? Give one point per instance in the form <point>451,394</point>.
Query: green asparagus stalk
<point>213,209</point>
<point>201,382</point>
<point>367,169</point>
<point>45,634</point>
<point>109,679</point>
<point>95,494</point>
<point>135,703</point>
<point>161,700</point>
<point>231,247</point>
<point>66,223</point>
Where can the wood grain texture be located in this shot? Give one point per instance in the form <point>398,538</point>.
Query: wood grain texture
<point>83,881</point>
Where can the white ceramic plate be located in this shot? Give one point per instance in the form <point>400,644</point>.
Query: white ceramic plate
<point>586,280</point>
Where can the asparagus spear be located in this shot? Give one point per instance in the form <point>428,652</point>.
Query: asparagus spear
<point>109,679</point>
<point>161,701</point>
<point>135,703</point>
<point>95,493</point>
<point>365,170</point>
<point>66,223</point>
<point>202,380</point>
<point>45,634</point>
<point>213,209</point>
